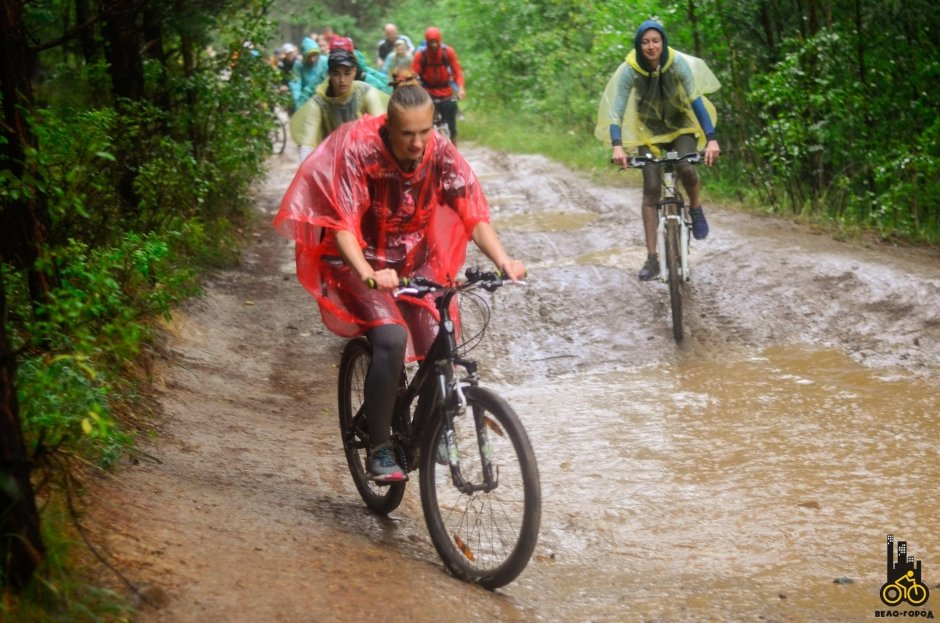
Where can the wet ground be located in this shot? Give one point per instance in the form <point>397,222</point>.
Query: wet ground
<point>751,473</point>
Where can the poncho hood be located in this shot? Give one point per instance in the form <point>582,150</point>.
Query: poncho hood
<point>648,25</point>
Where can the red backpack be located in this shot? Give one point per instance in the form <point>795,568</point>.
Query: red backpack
<point>445,61</point>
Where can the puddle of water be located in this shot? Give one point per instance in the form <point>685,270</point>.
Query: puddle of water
<point>703,491</point>
<point>544,221</point>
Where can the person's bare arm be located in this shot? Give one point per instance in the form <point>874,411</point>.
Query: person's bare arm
<point>486,238</point>
<point>348,245</point>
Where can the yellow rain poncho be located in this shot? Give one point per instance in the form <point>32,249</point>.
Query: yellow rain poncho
<point>321,114</point>
<point>653,107</point>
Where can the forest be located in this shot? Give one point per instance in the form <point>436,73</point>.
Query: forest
<point>134,131</point>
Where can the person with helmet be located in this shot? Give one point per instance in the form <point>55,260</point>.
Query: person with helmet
<point>382,198</point>
<point>338,99</point>
<point>655,101</point>
<point>439,69</point>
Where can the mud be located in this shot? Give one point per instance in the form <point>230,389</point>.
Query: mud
<point>749,474</point>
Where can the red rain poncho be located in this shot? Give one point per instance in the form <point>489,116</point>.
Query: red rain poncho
<point>416,222</point>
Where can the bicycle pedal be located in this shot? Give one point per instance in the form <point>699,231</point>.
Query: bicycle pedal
<point>384,480</point>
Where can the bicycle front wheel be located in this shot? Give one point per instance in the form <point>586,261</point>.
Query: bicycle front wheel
<point>484,534</point>
<point>353,367</point>
<point>675,279</point>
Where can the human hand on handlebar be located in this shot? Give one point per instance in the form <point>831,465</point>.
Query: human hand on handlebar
<point>385,279</point>
<point>619,156</point>
<point>513,269</point>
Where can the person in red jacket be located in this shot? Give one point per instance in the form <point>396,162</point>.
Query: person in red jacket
<point>439,70</point>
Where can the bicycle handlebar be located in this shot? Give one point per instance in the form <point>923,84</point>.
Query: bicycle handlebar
<point>638,162</point>
<point>474,278</point>
<point>671,158</point>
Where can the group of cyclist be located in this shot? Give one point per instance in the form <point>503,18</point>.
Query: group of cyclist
<point>386,196</point>
<point>331,82</point>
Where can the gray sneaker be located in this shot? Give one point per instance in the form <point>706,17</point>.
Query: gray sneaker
<point>383,468</point>
<point>650,270</point>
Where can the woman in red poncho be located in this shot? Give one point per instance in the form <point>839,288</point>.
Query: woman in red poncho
<point>385,197</point>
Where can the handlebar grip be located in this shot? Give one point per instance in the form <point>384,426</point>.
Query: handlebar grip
<point>402,281</point>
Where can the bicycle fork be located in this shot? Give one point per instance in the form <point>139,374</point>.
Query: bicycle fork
<point>683,242</point>
<point>456,406</point>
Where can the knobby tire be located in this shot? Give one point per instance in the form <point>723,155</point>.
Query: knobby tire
<point>675,279</point>
<point>483,537</point>
<point>351,392</point>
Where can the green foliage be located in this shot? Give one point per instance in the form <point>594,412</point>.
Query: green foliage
<point>74,347</point>
<point>135,199</point>
<point>829,114</point>
<point>811,115</point>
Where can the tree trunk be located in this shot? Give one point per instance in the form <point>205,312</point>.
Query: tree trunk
<point>21,546</point>
<point>89,45</point>
<point>696,37</point>
<point>24,222</point>
<point>24,226</point>
<point>122,48</point>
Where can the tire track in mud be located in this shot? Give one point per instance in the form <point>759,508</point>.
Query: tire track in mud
<point>757,281</point>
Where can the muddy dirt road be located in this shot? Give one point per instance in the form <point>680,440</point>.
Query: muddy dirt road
<point>750,474</point>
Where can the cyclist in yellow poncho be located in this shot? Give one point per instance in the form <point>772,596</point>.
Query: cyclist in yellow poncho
<point>338,99</point>
<point>655,102</point>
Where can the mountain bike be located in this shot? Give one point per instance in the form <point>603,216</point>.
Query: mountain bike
<point>479,481</point>
<point>674,230</point>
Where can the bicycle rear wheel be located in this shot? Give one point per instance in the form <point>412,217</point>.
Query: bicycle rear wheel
<point>675,279</point>
<point>352,423</point>
<point>485,537</point>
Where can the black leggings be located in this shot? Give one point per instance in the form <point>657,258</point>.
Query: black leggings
<point>388,359</point>
<point>448,108</point>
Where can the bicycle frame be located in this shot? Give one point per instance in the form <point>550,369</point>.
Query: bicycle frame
<point>672,207</point>
<point>479,482</point>
<point>434,385</point>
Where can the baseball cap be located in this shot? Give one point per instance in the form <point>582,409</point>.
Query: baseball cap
<point>341,58</point>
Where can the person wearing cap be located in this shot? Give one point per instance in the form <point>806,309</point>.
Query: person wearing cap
<point>338,99</point>
<point>655,102</point>
<point>285,62</point>
<point>439,69</point>
<point>309,71</point>
<point>382,198</point>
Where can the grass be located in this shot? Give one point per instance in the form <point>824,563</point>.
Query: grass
<point>513,131</point>
<point>495,126</point>
<point>63,588</point>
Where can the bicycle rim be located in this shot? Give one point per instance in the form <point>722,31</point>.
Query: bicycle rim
<point>675,279</point>
<point>483,537</point>
<point>351,392</point>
